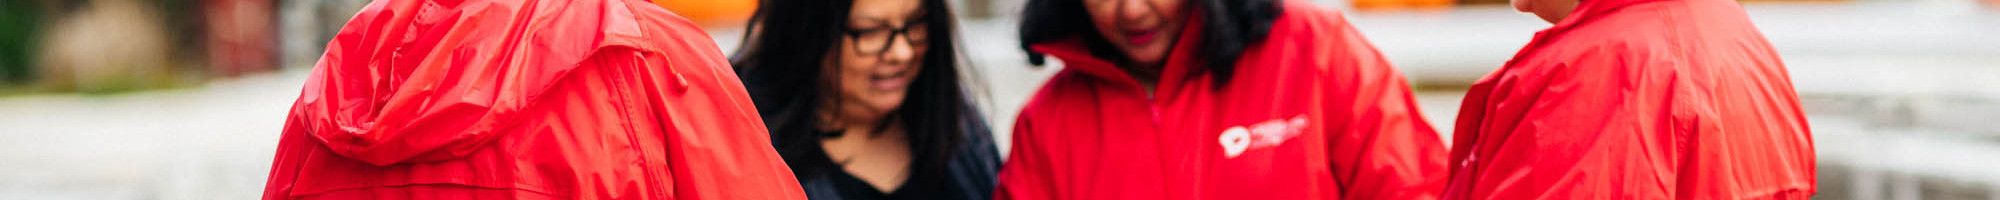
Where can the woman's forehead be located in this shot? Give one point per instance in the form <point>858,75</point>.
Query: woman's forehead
<point>885,10</point>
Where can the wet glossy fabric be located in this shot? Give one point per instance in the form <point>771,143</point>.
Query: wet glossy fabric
<point>474,99</point>
<point>1313,112</point>
<point>1637,99</point>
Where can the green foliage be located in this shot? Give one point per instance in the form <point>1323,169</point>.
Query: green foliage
<point>18,40</point>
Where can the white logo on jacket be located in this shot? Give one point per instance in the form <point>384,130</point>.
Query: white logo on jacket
<point>1265,134</point>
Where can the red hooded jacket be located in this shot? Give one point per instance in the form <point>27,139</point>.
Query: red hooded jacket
<point>477,99</point>
<point>1312,112</point>
<point>1637,99</point>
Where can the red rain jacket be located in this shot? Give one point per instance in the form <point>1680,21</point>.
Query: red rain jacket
<point>1637,99</point>
<point>1312,112</point>
<point>476,99</point>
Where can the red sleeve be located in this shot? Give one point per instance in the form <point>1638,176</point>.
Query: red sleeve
<point>1386,150</point>
<point>1026,173</point>
<point>293,147</point>
<point>1380,145</point>
<point>1594,126</point>
<point>717,146</point>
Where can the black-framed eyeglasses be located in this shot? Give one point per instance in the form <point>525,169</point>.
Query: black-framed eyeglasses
<point>875,41</point>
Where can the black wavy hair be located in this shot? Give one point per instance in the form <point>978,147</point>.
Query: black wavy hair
<point>784,62</point>
<point>1228,28</point>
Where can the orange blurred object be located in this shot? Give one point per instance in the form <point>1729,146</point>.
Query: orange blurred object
<point>1403,4</point>
<point>711,13</point>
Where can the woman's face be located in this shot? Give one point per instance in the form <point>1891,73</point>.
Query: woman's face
<point>1143,29</point>
<point>881,54</point>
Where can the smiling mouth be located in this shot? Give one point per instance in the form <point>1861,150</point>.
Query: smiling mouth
<point>1141,37</point>
<point>891,81</point>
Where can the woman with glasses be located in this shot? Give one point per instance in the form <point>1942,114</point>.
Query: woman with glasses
<point>1215,99</point>
<point>864,99</point>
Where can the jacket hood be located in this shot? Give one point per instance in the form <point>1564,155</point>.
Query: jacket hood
<point>456,66</point>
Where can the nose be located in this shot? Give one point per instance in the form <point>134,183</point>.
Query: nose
<point>1133,12</point>
<point>900,52</point>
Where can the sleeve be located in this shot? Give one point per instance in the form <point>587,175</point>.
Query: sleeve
<point>1379,144</point>
<point>1386,150</point>
<point>293,148</point>
<point>718,147</point>
<point>1026,174</point>
<point>1594,125</point>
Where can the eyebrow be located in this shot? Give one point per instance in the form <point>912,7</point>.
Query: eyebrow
<point>920,14</point>
<point>921,17</point>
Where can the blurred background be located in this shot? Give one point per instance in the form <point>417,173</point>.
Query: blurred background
<point>183,99</point>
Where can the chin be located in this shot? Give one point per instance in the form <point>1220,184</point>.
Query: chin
<point>1160,55</point>
<point>885,105</point>
<point>883,110</point>
<point>1551,18</point>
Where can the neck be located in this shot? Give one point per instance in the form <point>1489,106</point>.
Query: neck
<point>867,126</point>
<point>1146,74</point>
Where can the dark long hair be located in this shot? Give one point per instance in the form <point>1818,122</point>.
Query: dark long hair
<point>1229,27</point>
<point>783,62</point>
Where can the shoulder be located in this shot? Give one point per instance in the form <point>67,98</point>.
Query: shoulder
<point>1064,91</point>
<point>1588,65</point>
<point>1315,31</point>
<point>1305,20</point>
<point>1314,40</point>
<point>1307,12</point>
<point>1597,49</point>
<point>1614,33</point>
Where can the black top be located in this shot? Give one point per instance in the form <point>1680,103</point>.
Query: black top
<point>849,187</point>
<point>968,175</point>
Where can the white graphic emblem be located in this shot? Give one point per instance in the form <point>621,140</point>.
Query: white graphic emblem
<point>1238,139</point>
